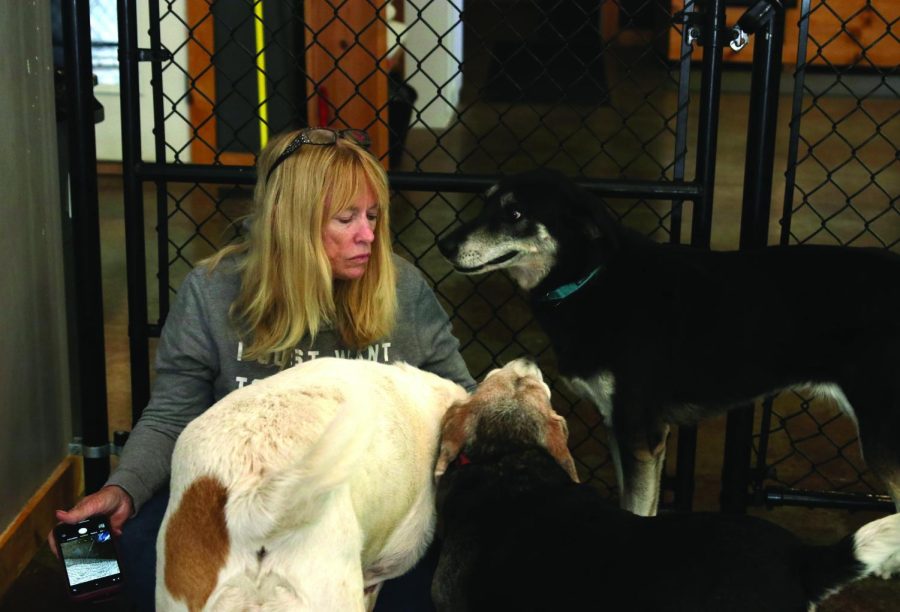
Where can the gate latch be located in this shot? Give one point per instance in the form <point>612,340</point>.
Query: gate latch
<point>77,447</point>
<point>752,20</point>
<point>154,55</point>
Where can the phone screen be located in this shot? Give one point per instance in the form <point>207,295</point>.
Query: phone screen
<point>89,555</point>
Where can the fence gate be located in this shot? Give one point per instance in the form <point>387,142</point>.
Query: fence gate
<point>842,185</point>
<point>454,94</point>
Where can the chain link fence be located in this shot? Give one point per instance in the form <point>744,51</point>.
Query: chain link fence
<point>482,88</point>
<point>468,90</point>
<point>843,181</point>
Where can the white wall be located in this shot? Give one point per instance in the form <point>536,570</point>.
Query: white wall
<point>438,91</point>
<point>173,34</point>
<point>35,409</point>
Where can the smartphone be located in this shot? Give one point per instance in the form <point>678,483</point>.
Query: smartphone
<point>89,554</point>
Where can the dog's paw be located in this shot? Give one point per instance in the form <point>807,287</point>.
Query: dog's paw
<point>877,546</point>
<point>889,568</point>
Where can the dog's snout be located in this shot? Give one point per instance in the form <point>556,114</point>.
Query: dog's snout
<point>449,245</point>
<point>525,367</point>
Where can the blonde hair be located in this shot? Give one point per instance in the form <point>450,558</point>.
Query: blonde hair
<point>287,288</point>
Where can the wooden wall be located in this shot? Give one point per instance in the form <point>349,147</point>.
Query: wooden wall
<point>861,41</point>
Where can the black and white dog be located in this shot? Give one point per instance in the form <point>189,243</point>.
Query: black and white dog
<point>658,334</point>
<point>518,534</point>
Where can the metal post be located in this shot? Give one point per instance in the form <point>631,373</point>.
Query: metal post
<point>91,360</point>
<point>701,223</point>
<point>762,122</point>
<point>708,128</point>
<point>134,208</point>
<point>686,455</point>
<point>757,197</point>
<point>681,121</point>
<point>159,136</point>
<point>796,114</point>
<point>760,470</point>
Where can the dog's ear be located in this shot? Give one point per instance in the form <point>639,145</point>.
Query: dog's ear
<point>557,444</point>
<point>456,428</point>
<point>588,213</point>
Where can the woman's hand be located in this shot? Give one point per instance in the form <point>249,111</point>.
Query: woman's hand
<point>110,501</point>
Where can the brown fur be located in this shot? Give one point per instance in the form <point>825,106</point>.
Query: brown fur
<point>518,386</point>
<point>197,542</point>
<point>558,445</point>
<point>455,430</point>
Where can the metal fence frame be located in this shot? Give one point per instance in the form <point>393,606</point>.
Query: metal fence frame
<point>757,489</point>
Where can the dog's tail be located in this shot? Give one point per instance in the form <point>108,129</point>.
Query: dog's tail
<point>294,496</point>
<point>873,550</point>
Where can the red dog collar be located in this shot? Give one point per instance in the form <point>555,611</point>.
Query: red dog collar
<point>462,459</point>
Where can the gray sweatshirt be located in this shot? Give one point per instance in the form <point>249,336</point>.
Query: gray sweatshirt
<point>198,361</point>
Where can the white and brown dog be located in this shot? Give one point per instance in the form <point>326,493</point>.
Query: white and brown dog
<point>303,491</point>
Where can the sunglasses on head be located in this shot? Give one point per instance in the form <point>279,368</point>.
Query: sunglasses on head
<point>319,136</point>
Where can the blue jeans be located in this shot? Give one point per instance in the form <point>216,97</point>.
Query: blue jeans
<point>137,551</point>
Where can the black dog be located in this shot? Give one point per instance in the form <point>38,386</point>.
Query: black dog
<point>658,334</point>
<point>518,534</point>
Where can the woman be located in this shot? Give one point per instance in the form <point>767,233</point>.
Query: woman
<point>315,276</point>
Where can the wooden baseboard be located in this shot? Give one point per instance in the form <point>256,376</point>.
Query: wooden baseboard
<point>28,531</point>
<point>109,168</point>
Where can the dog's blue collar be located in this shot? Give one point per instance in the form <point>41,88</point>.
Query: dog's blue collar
<point>561,293</point>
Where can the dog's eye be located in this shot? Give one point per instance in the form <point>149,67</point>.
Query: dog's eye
<point>513,214</point>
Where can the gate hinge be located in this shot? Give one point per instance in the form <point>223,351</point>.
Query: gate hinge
<point>737,36</point>
<point>151,55</point>
<point>692,22</point>
<point>752,20</point>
